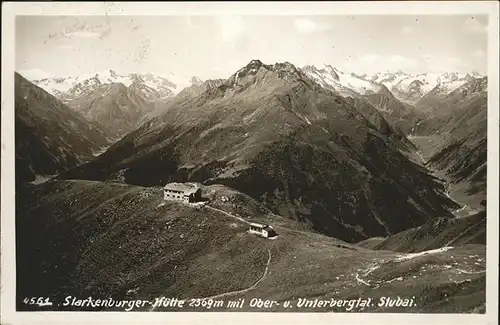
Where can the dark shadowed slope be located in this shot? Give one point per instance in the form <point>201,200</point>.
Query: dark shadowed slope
<point>463,121</point>
<point>50,137</point>
<point>271,132</point>
<point>394,133</point>
<point>99,239</point>
<point>399,114</point>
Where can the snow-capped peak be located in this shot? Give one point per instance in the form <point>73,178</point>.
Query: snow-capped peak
<point>74,85</point>
<point>347,84</point>
<point>410,87</point>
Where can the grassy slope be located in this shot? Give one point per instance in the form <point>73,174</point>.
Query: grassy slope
<point>102,239</point>
<point>438,233</point>
<point>370,242</point>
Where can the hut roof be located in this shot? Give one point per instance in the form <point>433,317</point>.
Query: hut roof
<point>258,225</point>
<point>186,188</point>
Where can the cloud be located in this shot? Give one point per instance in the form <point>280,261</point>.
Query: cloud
<point>83,34</point>
<point>306,26</point>
<point>35,74</point>
<point>472,25</point>
<point>373,63</point>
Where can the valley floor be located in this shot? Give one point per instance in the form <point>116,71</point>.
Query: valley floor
<point>469,205</point>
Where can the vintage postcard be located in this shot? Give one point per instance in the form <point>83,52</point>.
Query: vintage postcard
<point>230,162</point>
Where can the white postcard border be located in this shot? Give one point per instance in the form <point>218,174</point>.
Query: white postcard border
<point>10,10</point>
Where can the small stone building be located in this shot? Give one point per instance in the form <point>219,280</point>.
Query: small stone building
<point>262,230</point>
<point>183,192</point>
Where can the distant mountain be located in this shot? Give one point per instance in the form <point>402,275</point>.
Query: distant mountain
<point>462,117</point>
<point>118,102</point>
<point>50,137</point>
<point>197,88</point>
<point>389,79</point>
<point>114,106</point>
<point>345,84</point>
<point>275,134</point>
<point>67,88</point>
<point>396,112</point>
<point>456,110</point>
<point>406,87</point>
<point>200,87</point>
<point>432,100</point>
<point>412,88</point>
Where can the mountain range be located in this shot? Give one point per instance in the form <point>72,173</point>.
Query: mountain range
<point>219,121</point>
<point>72,86</point>
<point>411,88</point>
<point>117,102</point>
<point>408,88</point>
<point>364,184</point>
<point>274,133</point>
<point>402,98</point>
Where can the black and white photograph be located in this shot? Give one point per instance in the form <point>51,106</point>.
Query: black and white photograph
<point>221,163</point>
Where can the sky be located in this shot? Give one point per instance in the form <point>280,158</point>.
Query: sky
<point>217,46</point>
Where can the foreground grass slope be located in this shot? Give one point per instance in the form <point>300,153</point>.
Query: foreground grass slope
<point>100,239</point>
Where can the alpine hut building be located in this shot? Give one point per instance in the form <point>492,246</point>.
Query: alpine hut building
<point>262,230</point>
<point>183,192</point>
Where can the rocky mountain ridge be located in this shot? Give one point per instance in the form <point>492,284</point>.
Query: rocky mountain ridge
<point>274,133</point>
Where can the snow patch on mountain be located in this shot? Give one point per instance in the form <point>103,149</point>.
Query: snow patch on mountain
<point>346,84</point>
<point>413,87</point>
<point>166,85</point>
